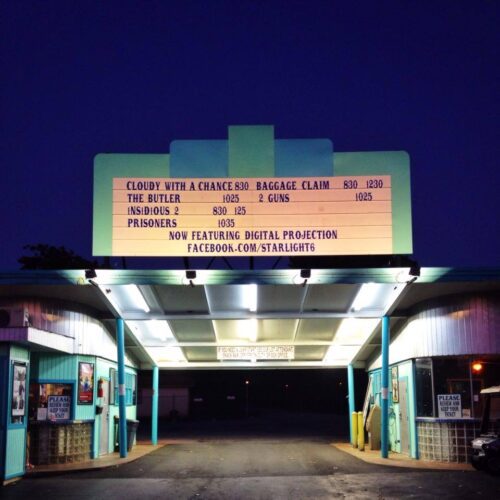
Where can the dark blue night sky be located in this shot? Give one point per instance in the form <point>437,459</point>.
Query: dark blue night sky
<point>83,77</point>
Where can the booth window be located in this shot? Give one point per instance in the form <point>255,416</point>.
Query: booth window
<point>130,388</point>
<point>39,398</point>
<point>452,377</point>
<point>423,372</point>
<point>437,378</point>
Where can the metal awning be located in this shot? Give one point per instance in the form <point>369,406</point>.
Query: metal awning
<point>249,319</point>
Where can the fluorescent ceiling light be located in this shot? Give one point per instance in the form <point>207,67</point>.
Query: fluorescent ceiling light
<point>251,297</point>
<point>160,329</point>
<point>247,329</point>
<point>355,330</point>
<point>166,354</point>
<point>136,297</point>
<point>366,296</point>
<point>340,354</point>
<point>349,338</point>
<point>151,331</point>
<point>252,329</point>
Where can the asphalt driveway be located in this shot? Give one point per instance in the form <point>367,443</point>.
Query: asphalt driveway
<point>245,462</point>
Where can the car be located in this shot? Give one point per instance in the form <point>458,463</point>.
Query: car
<point>486,447</point>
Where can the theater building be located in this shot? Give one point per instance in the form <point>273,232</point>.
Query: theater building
<point>59,351</point>
<point>72,343</point>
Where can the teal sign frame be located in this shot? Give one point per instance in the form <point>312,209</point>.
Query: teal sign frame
<point>252,151</point>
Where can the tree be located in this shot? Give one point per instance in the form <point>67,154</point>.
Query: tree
<point>51,257</point>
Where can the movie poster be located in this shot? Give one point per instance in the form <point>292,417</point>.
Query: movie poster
<point>85,383</point>
<point>18,406</point>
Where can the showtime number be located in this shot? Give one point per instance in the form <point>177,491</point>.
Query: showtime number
<point>218,210</point>
<point>374,183</point>
<point>225,223</point>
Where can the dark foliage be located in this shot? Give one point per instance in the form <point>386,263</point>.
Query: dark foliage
<point>51,257</point>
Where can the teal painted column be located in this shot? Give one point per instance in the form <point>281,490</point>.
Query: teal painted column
<point>350,397</point>
<point>384,434</point>
<point>154,407</point>
<point>122,427</point>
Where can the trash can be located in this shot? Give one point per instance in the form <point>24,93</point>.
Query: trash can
<point>132,426</point>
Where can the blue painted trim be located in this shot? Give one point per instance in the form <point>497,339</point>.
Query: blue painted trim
<point>384,434</point>
<point>154,406</point>
<point>9,425</point>
<point>24,425</point>
<point>351,395</point>
<point>122,427</point>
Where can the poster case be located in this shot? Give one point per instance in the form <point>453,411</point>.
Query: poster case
<point>85,383</point>
<point>18,403</point>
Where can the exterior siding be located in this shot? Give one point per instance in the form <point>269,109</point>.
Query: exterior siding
<point>52,324</point>
<point>15,452</point>
<point>459,326</point>
<point>57,367</point>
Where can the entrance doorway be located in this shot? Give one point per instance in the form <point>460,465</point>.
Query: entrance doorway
<point>403,418</point>
<point>104,437</point>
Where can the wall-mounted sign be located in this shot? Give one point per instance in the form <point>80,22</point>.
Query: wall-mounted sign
<point>59,408</point>
<point>85,383</point>
<point>449,406</point>
<point>239,353</point>
<point>252,216</point>
<point>252,195</point>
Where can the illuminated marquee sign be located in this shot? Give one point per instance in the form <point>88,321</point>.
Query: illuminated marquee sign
<point>252,216</point>
<point>252,195</point>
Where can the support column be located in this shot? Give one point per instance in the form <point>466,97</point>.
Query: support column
<point>350,398</point>
<point>384,431</point>
<point>122,427</point>
<point>154,407</point>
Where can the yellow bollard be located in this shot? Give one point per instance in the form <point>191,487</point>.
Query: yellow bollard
<point>361,432</point>
<point>354,425</point>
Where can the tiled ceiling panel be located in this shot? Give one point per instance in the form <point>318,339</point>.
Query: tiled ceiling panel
<point>310,353</point>
<point>248,330</point>
<point>182,299</point>
<point>277,330</point>
<point>333,298</point>
<point>272,298</point>
<point>317,329</point>
<point>200,353</point>
<point>234,298</point>
<point>236,330</point>
<point>192,330</point>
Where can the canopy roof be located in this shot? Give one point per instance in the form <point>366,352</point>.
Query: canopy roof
<point>236,319</point>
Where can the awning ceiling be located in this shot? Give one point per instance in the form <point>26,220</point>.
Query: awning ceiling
<point>238,319</point>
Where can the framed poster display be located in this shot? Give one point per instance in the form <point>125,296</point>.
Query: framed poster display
<point>85,383</point>
<point>18,404</point>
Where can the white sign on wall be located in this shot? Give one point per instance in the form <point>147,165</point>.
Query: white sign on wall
<point>449,406</point>
<point>59,407</point>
